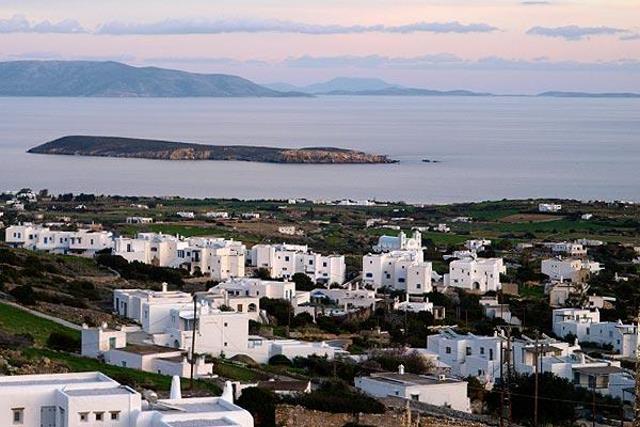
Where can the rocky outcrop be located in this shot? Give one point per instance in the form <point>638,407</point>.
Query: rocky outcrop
<point>105,146</point>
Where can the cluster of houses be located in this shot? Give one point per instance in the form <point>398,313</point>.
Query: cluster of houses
<point>94,399</point>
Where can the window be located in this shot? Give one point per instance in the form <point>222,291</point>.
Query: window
<point>226,324</point>
<point>112,342</point>
<point>124,364</point>
<point>84,417</point>
<point>468,351</point>
<point>481,350</point>
<point>448,350</point>
<point>225,344</point>
<point>115,415</point>
<point>415,397</point>
<point>18,415</point>
<point>99,416</point>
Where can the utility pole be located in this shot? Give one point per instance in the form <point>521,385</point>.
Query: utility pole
<point>501,380</point>
<point>535,396</point>
<point>593,404</point>
<point>193,338</point>
<point>636,412</point>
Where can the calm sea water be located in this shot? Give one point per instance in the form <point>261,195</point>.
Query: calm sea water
<point>489,148</point>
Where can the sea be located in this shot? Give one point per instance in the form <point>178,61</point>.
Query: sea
<point>484,148</point>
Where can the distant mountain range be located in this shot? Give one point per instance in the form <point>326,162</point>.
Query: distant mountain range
<point>378,87</point>
<point>113,79</point>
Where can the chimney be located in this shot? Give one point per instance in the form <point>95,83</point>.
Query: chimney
<point>176,392</point>
<point>227,392</point>
<point>401,369</point>
<point>164,287</point>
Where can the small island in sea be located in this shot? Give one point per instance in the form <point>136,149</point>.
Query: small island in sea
<point>109,146</point>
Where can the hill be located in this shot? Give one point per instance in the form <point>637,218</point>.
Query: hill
<point>113,79</point>
<point>106,146</point>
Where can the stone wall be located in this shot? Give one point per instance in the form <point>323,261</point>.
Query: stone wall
<point>297,416</point>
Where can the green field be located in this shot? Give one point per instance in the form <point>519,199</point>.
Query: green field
<point>16,321</point>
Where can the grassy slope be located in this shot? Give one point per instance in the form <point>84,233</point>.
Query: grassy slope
<point>16,321</point>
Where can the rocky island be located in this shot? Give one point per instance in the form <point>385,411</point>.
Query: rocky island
<point>108,146</point>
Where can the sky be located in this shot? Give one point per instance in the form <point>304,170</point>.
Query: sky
<point>505,46</point>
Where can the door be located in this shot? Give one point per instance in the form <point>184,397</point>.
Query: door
<point>47,416</point>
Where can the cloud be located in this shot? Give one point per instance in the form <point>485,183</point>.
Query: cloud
<point>204,26</point>
<point>628,37</point>
<point>574,32</point>
<point>20,24</point>
<point>446,61</point>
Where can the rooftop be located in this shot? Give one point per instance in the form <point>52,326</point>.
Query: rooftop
<point>54,379</point>
<point>148,349</point>
<point>412,379</point>
<point>98,391</point>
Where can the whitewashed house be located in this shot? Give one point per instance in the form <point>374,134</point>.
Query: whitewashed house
<point>186,214</point>
<point>586,326</point>
<point>549,207</point>
<point>401,270</point>
<point>351,297</point>
<point>399,243</point>
<point>568,248</point>
<point>475,274</point>
<point>437,390</point>
<point>217,215</point>
<point>468,354</point>
<point>149,308</point>
<point>571,269</point>
<point>148,248</point>
<point>139,220</point>
<point>91,399</point>
<point>258,288</point>
<point>285,260</point>
<point>477,245</point>
<point>36,237</point>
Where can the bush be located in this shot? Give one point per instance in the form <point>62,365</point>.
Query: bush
<point>63,342</point>
<point>262,405</point>
<point>24,295</point>
<point>279,360</point>
<point>337,397</point>
<point>303,282</point>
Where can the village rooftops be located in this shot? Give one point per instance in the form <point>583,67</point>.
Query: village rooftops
<point>599,370</point>
<point>413,379</point>
<point>147,349</point>
<point>52,380</point>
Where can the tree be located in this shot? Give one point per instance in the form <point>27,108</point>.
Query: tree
<point>63,342</point>
<point>24,295</point>
<point>262,273</point>
<point>279,360</point>
<point>303,282</point>
<point>261,404</point>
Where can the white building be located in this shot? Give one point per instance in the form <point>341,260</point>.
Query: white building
<point>586,326</point>
<point>495,310</point>
<point>399,243</point>
<point>401,270</point>
<point>434,390</point>
<point>568,248</point>
<point>262,349</point>
<point>91,399</point>
<point>571,269</point>
<point>468,354</point>
<point>250,215</point>
<point>351,297</point>
<point>285,260</point>
<point>476,274</point>
<point>258,288</point>
<point>149,308</point>
<point>218,258</point>
<point>413,306</point>
<point>477,245</point>
<point>111,346</point>
<point>139,220</point>
<point>549,207</point>
<point>187,215</point>
<point>217,215</point>
<point>37,237</point>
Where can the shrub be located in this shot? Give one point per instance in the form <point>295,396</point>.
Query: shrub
<point>303,282</point>
<point>338,397</point>
<point>24,295</point>
<point>279,360</point>
<point>261,404</point>
<point>63,342</point>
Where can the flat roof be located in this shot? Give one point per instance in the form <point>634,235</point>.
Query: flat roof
<point>599,370</point>
<point>412,379</point>
<point>98,391</point>
<point>54,379</point>
<point>147,349</point>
